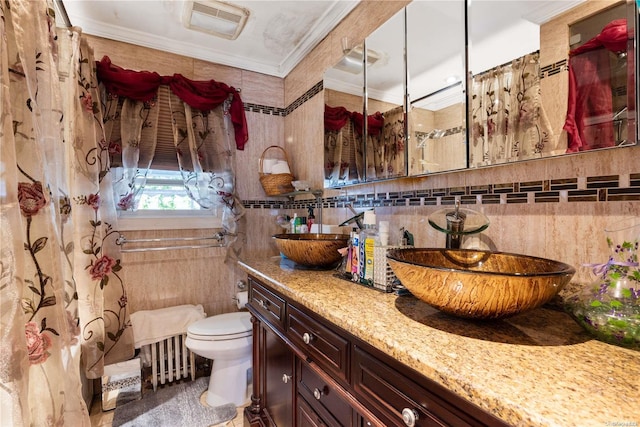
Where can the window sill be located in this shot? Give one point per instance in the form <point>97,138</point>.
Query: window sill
<point>166,220</point>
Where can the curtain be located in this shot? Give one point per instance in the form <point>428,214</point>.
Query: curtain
<point>508,121</point>
<point>203,115</point>
<point>106,332</point>
<point>373,151</point>
<point>207,117</point>
<point>340,142</point>
<point>60,277</point>
<point>393,144</point>
<point>206,157</point>
<point>130,127</point>
<point>345,150</point>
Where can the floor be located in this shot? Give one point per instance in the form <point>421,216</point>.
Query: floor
<point>105,419</point>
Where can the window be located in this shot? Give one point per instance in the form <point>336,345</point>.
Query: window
<point>165,190</point>
<point>165,204</point>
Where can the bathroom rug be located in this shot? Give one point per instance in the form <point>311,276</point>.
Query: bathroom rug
<point>176,405</point>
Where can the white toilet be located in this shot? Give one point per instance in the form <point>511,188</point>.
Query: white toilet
<point>225,339</point>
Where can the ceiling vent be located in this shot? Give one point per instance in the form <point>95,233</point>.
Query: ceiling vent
<point>352,61</point>
<point>215,17</point>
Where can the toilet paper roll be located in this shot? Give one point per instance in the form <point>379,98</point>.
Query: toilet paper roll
<point>280,167</point>
<point>267,165</point>
<point>241,299</point>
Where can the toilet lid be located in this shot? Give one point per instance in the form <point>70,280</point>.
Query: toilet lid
<point>222,325</point>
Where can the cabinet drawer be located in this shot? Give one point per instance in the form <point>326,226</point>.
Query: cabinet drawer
<point>271,306</point>
<point>321,396</point>
<point>306,416</point>
<point>389,393</point>
<point>320,343</point>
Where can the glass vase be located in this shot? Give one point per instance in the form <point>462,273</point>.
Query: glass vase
<point>609,308</point>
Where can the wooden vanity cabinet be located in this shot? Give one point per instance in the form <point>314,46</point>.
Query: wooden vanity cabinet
<point>310,372</point>
<point>279,384</point>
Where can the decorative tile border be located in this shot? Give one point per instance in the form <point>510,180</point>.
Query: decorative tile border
<point>283,112</point>
<point>552,69</point>
<point>609,188</point>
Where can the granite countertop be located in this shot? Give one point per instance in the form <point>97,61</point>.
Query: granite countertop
<point>535,369</point>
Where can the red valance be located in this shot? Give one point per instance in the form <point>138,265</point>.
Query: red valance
<point>201,95</point>
<point>335,118</point>
<point>375,122</point>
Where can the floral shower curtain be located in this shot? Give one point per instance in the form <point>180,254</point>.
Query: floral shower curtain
<point>60,274</point>
<point>104,312</point>
<point>508,121</point>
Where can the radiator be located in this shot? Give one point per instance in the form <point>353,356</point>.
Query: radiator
<point>171,360</point>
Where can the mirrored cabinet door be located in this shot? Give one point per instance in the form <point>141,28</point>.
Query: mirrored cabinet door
<point>343,126</point>
<point>549,78</point>
<point>451,84</point>
<point>436,86</point>
<point>386,123</point>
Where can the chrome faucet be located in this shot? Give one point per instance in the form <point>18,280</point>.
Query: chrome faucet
<point>458,223</point>
<point>455,226</point>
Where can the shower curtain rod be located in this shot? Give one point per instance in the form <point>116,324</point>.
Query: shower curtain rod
<point>63,12</point>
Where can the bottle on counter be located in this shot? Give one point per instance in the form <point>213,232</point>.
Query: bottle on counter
<point>355,256</point>
<point>367,239</point>
<point>350,249</point>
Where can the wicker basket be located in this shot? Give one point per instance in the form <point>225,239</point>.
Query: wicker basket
<point>275,184</point>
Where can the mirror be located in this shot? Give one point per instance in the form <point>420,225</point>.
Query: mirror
<point>343,98</point>
<point>385,83</point>
<point>378,65</point>
<point>519,48</point>
<point>436,86</point>
<point>525,102</point>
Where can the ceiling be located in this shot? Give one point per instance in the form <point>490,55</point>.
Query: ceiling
<point>277,35</point>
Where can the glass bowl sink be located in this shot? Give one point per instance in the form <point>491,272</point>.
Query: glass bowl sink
<point>478,284</point>
<point>312,249</point>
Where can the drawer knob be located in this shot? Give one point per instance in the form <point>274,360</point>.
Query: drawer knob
<point>262,304</point>
<point>307,337</point>
<point>409,416</point>
<point>317,393</point>
<point>286,378</point>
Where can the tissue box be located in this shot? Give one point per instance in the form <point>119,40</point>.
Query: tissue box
<point>383,275</point>
<point>121,383</point>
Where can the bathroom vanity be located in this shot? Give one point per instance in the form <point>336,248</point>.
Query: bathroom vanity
<point>330,352</point>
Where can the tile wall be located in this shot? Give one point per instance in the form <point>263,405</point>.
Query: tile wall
<point>555,208</point>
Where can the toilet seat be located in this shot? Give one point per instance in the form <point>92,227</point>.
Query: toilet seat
<point>222,327</point>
